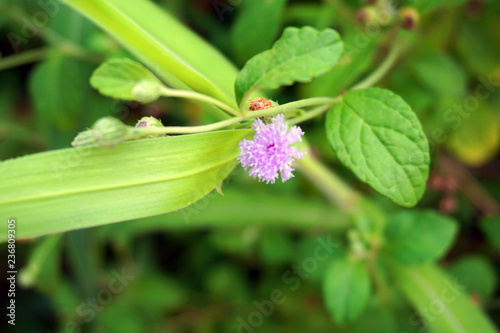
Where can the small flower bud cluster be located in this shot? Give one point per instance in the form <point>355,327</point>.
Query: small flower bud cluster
<point>108,132</point>
<point>105,132</point>
<point>149,122</point>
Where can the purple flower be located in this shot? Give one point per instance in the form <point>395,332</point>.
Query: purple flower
<point>270,150</point>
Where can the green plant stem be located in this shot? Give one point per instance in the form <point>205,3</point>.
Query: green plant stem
<point>291,106</point>
<point>383,289</point>
<point>382,69</point>
<point>368,218</point>
<point>310,115</point>
<point>168,92</point>
<point>24,58</point>
<point>328,182</point>
<point>427,285</point>
<point>141,132</point>
<point>325,102</point>
<point>76,51</point>
<point>36,55</point>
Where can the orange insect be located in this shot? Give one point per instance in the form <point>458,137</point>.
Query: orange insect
<point>259,104</point>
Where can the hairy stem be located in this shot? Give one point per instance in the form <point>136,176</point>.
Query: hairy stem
<point>310,115</point>
<point>232,121</point>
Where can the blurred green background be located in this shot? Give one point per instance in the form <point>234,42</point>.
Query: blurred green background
<point>218,265</point>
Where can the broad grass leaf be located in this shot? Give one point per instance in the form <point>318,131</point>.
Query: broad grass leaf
<point>425,285</point>
<point>176,54</point>
<point>78,188</point>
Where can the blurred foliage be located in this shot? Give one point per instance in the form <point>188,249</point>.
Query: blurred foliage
<point>178,272</point>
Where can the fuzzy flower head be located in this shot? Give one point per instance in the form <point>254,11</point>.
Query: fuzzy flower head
<point>270,150</point>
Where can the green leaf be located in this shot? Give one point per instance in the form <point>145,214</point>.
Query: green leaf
<point>491,228</point>
<point>346,288</point>
<point>441,301</point>
<point>57,90</point>
<point>42,269</point>
<point>70,24</point>
<point>376,135</point>
<point>126,79</point>
<point>477,274</point>
<point>256,27</point>
<point>165,45</point>
<point>84,187</point>
<point>415,237</point>
<point>298,56</point>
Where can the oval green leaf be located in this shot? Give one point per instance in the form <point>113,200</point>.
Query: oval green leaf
<point>416,237</point>
<point>298,56</point>
<point>477,274</point>
<point>346,288</point>
<point>83,187</point>
<point>376,135</point>
<point>122,78</point>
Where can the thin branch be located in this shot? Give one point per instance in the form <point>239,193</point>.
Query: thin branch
<point>384,67</point>
<point>24,58</point>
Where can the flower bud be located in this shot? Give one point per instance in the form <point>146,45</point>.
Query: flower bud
<point>149,122</point>
<point>367,15</point>
<point>109,131</point>
<point>409,17</point>
<point>84,139</point>
<point>146,91</point>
